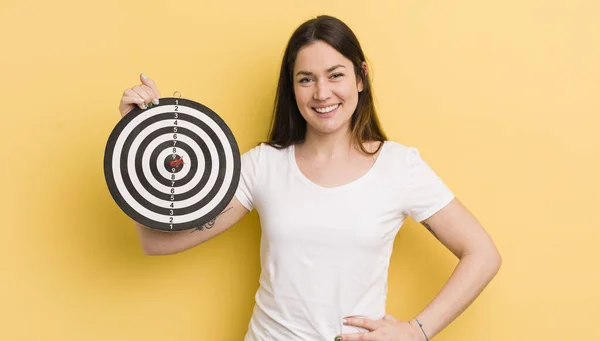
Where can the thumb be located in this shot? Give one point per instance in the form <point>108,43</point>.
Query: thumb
<point>149,82</point>
<point>389,317</point>
<point>145,80</point>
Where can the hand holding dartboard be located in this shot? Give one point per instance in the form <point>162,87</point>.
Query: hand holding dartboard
<point>170,166</point>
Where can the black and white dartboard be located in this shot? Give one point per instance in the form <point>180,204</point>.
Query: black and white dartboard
<point>172,167</point>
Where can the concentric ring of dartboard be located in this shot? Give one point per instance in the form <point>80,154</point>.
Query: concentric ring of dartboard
<point>172,167</point>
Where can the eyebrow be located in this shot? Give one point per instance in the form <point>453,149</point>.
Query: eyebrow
<point>328,70</point>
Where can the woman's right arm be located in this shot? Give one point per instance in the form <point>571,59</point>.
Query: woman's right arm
<point>156,242</point>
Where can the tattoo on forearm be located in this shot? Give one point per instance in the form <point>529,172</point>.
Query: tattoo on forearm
<point>430,229</point>
<point>210,224</point>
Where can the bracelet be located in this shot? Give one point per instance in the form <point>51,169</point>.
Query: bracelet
<point>421,326</point>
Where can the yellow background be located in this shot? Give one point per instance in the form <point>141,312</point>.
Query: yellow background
<point>501,98</point>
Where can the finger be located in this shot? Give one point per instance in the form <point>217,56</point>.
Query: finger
<point>131,97</point>
<point>149,82</point>
<point>361,322</point>
<point>151,92</point>
<point>358,336</point>
<point>134,100</point>
<point>389,317</point>
<point>141,91</point>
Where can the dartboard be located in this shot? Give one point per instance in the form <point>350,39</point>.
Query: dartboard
<point>173,166</point>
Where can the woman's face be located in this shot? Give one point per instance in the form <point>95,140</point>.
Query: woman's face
<point>326,88</point>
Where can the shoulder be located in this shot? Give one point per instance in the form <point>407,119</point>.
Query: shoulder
<point>399,152</point>
<point>396,147</point>
<point>265,149</point>
<point>401,159</point>
<point>264,152</point>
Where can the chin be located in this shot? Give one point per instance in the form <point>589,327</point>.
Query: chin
<point>329,128</point>
<point>327,125</point>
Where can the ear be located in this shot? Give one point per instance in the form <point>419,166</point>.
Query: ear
<point>365,71</point>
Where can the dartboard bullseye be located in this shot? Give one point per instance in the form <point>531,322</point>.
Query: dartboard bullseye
<point>172,167</point>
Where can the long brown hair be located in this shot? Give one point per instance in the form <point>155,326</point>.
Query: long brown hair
<point>288,126</point>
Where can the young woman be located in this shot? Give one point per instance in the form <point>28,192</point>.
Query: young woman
<point>332,193</point>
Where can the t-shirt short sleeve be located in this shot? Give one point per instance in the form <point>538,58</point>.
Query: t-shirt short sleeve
<point>426,192</point>
<point>248,173</point>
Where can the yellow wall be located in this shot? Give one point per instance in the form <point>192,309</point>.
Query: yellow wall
<point>502,99</point>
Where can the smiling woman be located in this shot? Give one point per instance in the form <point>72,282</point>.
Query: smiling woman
<point>324,71</point>
<point>325,96</point>
<point>332,193</point>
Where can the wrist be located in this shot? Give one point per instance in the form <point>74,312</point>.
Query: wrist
<point>418,326</point>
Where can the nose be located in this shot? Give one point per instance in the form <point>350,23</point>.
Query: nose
<point>322,91</point>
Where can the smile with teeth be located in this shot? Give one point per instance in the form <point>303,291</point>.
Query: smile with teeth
<point>326,109</point>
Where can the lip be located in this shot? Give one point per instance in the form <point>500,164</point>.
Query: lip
<point>324,106</point>
<point>329,114</point>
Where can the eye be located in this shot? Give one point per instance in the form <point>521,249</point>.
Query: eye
<point>304,80</point>
<point>337,75</point>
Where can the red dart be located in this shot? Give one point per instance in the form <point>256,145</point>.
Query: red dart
<point>176,163</point>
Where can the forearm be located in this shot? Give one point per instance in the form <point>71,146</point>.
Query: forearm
<point>469,278</point>
<point>155,242</point>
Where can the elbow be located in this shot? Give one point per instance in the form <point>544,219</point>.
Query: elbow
<point>495,261</point>
<point>148,250</point>
<point>151,252</point>
<point>156,243</point>
<point>488,259</point>
<point>492,260</point>
<point>153,249</point>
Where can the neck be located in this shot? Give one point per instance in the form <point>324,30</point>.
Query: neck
<point>328,146</point>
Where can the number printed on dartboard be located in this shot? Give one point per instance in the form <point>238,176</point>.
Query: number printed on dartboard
<point>176,164</point>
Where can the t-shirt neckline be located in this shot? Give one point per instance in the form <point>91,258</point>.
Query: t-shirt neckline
<point>356,182</point>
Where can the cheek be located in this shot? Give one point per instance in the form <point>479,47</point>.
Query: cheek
<point>348,92</point>
<point>303,95</point>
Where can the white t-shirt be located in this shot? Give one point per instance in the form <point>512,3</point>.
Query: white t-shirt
<point>325,251</point>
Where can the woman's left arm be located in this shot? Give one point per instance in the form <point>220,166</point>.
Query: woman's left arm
<point>456,228</point>
<point>462,234</point>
